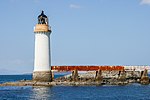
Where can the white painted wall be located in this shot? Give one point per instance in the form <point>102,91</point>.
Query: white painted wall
<point>42,52</point>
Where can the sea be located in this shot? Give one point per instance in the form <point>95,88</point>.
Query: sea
<point>128,92</point>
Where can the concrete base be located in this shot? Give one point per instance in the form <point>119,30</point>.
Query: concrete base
<point>42,76</point>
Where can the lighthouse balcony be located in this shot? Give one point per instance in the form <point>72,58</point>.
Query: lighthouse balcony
<point>42,28</point>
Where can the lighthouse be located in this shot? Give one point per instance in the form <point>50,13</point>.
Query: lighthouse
<point>42,60</point>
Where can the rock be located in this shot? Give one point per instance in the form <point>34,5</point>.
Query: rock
<point>98,76</point>
<point>145,78</point>
<point>122,76</point>
<point>75,75</point>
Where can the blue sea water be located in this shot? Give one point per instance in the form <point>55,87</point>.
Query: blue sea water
<point>129,92</point>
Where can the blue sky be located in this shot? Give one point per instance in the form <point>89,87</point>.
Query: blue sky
<point>84,32</point>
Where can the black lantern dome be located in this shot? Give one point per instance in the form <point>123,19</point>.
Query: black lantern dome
<point>42,18</point>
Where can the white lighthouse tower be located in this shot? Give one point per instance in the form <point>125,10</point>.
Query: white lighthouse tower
<point>42,59</point>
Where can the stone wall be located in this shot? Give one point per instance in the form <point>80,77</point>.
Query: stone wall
<point>42,76</point>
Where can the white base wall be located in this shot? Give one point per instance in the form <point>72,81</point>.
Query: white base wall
<point>42,52</point>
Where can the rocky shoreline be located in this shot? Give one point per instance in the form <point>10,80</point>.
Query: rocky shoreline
<point>32,83</point>
<point>71,83</point>
<point>97,78</point>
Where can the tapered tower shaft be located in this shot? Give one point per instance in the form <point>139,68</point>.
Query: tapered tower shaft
<point>42,59</point>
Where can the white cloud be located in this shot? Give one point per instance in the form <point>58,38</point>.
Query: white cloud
<point>36,1</point>
<point>74,6</point>
<point>145,2</point>
<point>13,1</point>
